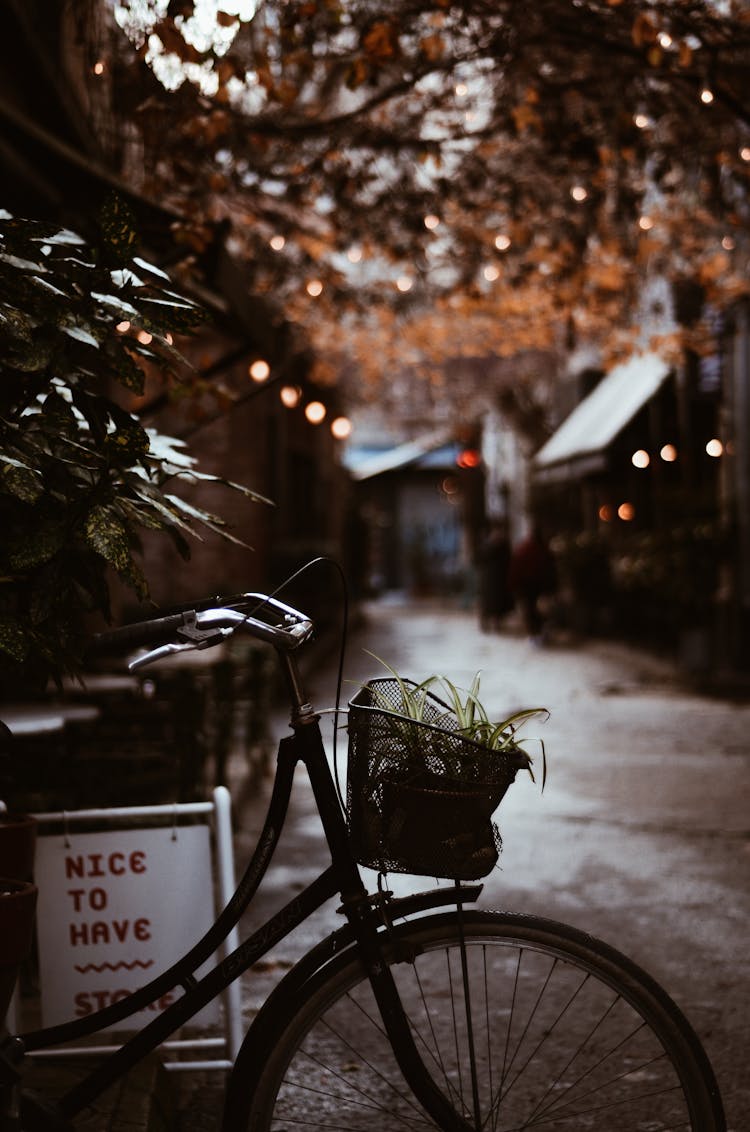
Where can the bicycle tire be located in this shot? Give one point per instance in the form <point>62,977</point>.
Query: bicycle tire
<point>568,1035</point>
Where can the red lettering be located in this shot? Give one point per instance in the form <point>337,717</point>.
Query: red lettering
<point>98,899</point>
<point>142,929</point>
<point>82,1004</point>
<point>73,867</point>
<point>120,928</point>
<point>95,865</point>
<point>79,934</point>
<point>77,895</point>
<point>100,932</point>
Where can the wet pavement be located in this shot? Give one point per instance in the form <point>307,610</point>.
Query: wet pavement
<point>641,836</point>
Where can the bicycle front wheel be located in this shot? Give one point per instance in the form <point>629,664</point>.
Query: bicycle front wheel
<point>529,1025</point>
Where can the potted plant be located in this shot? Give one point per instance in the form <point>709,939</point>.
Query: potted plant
<point>425,774</point>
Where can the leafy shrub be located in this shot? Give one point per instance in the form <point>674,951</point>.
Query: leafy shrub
<point>80,476</point>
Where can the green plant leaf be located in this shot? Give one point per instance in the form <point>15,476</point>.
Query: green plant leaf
<point>14,640</point>
<point>118,229</point>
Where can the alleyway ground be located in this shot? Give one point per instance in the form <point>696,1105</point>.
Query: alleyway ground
<point>642,834</point>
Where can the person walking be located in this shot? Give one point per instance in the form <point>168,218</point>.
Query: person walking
<point>532,575</point>
<point>493,561</point>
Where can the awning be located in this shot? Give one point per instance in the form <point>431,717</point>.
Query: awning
<point>364,466</point>
<point>579,445</point>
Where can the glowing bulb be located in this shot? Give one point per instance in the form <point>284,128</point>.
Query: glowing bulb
<point>626,511</point>
<point>728,243</point>
<point>122,327</point>
<point>641,458</point>
<point>502,242</point>
<point>461,90</point>
<point>641,121</point>
<point>645,223</point>
<point>491,272</point>
<point>578,192</point>
<point>99,67</point>
<point>341,427</point>
<point>431,222</point>
<point>315,412</point>
<point>169,339</point>
<point>668,453</point>
<point>714,447</point>
<point>290,396</point>
<point>277,243</point>
<point>354,255</point>
<point>707,96</point>
<point>314,288</point>
<point>259,370</point>
<point>404,283</point>
<point>745,153</point>
<point>144,337</point>
<point>665,40</point>
<point>606,513</point>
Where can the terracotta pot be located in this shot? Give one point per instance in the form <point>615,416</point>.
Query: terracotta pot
<point>17,908</point>
<point>17,845</point>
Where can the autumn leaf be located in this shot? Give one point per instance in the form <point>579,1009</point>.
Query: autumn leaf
<point>174,43</point>
<point>380,41</point>
<point>432,47</point>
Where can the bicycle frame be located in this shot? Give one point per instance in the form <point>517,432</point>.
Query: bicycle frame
<point>340,877</point>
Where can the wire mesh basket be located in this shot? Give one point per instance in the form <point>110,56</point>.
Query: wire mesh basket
<point>420,795</point>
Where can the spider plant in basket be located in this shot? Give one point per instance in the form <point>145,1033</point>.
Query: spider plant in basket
<point>428,767</point>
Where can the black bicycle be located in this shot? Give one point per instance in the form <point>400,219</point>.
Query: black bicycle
<point>422,1011</point>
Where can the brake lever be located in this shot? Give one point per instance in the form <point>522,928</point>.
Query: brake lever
<point>157,654</point>
<point>194,639</point>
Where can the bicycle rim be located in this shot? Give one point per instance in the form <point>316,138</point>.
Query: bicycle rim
<point>538,1027</point>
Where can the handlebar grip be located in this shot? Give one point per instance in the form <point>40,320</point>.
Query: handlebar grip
<point>160,630</point>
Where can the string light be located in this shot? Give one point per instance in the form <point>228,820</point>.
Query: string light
<point>277,242</point>
<point>626,512</point>
<point>645,223</point>
<point>431,222</point>
<point>579,193</point>
<point>642,121</point>
<point>491,273</point>
<point>502,242</point>
<point>404,283</point>
<point>665,40</point>
<point>354,255</point>
<point>715,447</point>
<point>745,153</point>
<point>99,67</point>
<point>668,453</point>
<point>315,412</point>
<point>144,337</point>
<point>728,243</point>
<point>606,513</point>
<point>461,90</point>
<point>290,396</point>
<point>641,458</point>
<point>314,288</point>
<point>122,327</point>
<point>341,427</point>
<point>707,96</point>
<point>259,370</point>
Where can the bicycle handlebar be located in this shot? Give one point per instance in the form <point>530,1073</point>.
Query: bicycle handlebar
<point>286,629</point>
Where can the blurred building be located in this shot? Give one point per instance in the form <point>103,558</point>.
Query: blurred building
<point>646,485</point>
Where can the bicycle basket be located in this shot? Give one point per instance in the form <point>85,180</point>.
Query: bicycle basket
<point>420,795</point>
